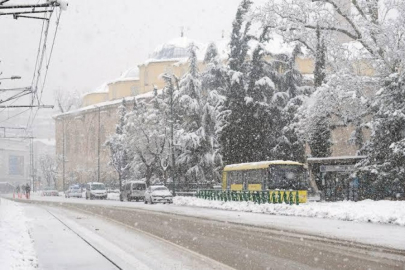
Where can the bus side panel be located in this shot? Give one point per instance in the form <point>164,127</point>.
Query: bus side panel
<point>237,187</point>
<point>223,180</point>
<point>303,195</point>
<point>255,187</point>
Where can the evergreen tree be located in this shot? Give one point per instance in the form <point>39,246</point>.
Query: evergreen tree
<point>198,126</point>
<point>292,76</point>
<point>290,144</point>
<point>214,76</point>
<point>320,55</point>
<point>320,138</point>
<point>234,133</point>
<point>383,168</point>
<point>239,39</point>
<point>211,53</point>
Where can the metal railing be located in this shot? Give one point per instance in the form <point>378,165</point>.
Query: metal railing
<point>259,197</point>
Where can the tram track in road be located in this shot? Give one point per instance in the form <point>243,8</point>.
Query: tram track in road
<point>287,233</point>
<point>86,241</point>
<point>247,247</point>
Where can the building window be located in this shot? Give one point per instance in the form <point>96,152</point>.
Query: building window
<point>134,90</point>
<point>15,165</point>
<point>146,77</point>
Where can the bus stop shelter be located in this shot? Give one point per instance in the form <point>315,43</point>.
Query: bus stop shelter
<point>334,177</point>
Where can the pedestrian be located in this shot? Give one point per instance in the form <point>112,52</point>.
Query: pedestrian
<point>18,189</point>
<point>27,191</point>
<point>22,193</point>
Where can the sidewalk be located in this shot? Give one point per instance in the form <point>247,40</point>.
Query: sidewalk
<point>30,238</point>
<point>47,243</point>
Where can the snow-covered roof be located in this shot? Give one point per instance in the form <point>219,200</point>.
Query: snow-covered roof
<point>146,95</point>
<point>259,165</point>
<point>176,49</point>
<point>49,142</point>
<point>131,74</point>
<point>101,89</point>
<point>341,158</point>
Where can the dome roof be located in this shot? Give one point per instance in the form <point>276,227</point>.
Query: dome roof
<point>130,73</point>
<point>174,49</point>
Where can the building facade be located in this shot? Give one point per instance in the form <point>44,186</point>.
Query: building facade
<point>81,134</point>
<point>15,161</point>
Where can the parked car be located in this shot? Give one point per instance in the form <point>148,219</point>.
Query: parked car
<point>48,191</point>
<point>133,190</point>
<point>158,194</point>
<point>74,191</point>
<point>95,190</point>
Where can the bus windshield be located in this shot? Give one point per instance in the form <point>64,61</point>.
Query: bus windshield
<point>287,177</point>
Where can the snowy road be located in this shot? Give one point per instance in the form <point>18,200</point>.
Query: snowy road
<point>241,246</point>
<point>385,235</point>
<point>63,239</point>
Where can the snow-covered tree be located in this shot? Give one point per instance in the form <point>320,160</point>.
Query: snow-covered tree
<point>320,138</point>
<point>48,169</point>
<point>320,59</point>
<point>146,139</point>
<point>384,167</point>
<point>67,101</point>
<point>197,137</point>
<point>214,77</point>
<point>235,132</point>
<point>119,157</point>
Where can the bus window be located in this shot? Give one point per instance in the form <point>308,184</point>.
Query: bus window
<point>287,177</point>
<point>235,180</point>
<point>254,180</point>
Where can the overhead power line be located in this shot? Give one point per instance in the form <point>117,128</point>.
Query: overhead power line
<point>28,106</point>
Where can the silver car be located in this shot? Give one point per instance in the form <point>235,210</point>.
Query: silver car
<point>95,190</point>
<point>158,194</point>
<point>74,191</point>
<point>133,190</point>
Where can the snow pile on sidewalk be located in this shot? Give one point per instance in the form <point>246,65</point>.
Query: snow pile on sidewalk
<point>388,212</point>
<point>16,245</point>
<point>113,196</point>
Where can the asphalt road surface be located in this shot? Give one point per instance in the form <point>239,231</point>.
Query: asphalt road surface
<point>244,246</point>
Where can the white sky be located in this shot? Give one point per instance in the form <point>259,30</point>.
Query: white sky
<point>98,39</point>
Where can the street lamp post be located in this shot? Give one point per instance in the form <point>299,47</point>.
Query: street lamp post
<point>169,81</point>
<point>11,78</point>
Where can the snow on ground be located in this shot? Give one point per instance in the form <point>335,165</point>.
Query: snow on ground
<point>388,212</point>
<point>113,196</point>
<point>381,234</point>
<point>16,245</point>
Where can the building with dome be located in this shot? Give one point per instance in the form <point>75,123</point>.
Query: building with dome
<point>80,135</point>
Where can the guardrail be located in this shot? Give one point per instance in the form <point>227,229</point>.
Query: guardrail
<point>268,196</point>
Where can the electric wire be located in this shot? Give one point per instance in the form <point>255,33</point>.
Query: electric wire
<point>39,97</point>
<point>39,66</point>
<point>11,117</point>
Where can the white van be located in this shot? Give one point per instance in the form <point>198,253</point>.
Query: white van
<point>133,190</point>
<point>95,190</point>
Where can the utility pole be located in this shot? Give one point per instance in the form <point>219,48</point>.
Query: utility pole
<point>63,154</point>
<point>98,146</point>
<point>32,168</point>
<point>20,11</point>
<point>169,81</point>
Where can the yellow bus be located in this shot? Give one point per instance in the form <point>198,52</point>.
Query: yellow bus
<point>267,175</point>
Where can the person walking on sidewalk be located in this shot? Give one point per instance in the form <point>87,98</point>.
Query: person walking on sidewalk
<point>17,190</point>
<point>27,191</point>
<point>22,191</point>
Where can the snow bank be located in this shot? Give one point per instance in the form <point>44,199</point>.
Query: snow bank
<point>113,196</point>
<point>16,245</point>
<point>387,212</point>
